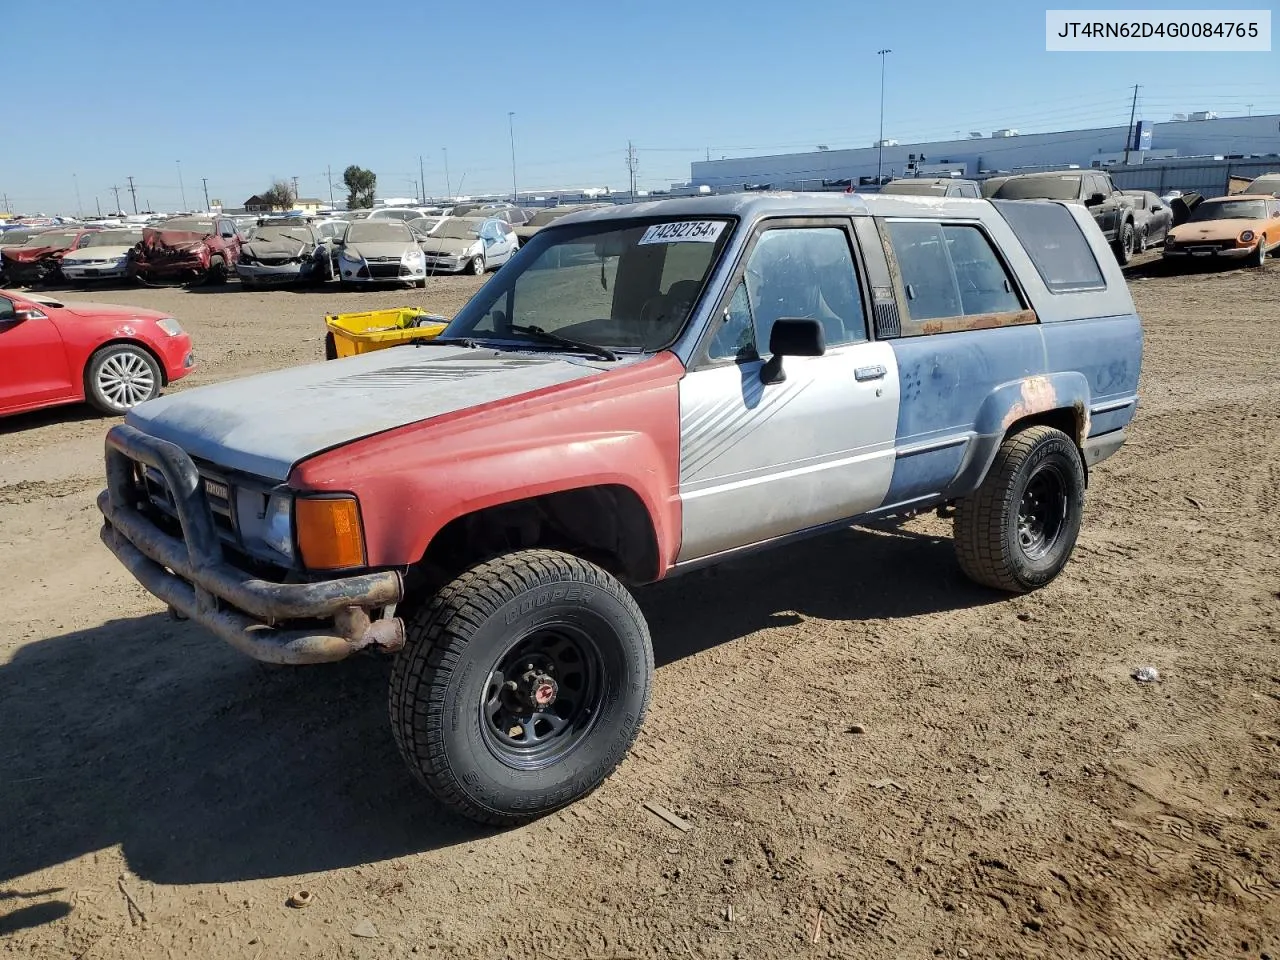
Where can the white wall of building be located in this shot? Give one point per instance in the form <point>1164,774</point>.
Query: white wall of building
<point>1233,135</point>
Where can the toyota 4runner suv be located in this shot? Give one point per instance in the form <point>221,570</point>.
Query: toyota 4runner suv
<point>1111,209</point>
<point>645,390</point>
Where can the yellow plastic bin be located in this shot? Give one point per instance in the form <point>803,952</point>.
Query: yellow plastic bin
<point>353,333</point>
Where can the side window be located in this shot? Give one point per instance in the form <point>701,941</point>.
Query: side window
<point>736,337</point>
<point>951,272</point>
<point>1052,238</point>
<point>7,310</point>
<point>805,272</point>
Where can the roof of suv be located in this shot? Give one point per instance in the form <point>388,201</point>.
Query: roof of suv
<point>751,205</point>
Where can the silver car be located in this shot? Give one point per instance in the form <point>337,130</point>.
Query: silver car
<point>470,244</point>
<point>380,251</point>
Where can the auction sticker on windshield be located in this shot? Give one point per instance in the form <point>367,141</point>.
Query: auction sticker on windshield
<point>684,231</point>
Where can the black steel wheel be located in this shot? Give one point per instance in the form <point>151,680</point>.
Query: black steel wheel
<point>542,699</point>
<point>522,685</point>
<point>1126,241</point>
<point>1017,530</point>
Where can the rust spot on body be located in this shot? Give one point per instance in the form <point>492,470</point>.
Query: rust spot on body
<point>1038,396</point>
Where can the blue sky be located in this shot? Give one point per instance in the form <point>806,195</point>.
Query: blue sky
<point>117,90</point>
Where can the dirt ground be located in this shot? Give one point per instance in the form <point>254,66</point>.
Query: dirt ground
<point>1012,792</point>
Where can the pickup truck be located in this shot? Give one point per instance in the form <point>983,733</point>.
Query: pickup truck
<point>1111,208</point>
<point>645,390</point>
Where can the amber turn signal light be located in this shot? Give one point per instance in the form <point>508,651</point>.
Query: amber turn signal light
<point>328,532</point>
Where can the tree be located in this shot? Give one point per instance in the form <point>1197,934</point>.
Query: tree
<point>280,196</point>
<point>360,186</point>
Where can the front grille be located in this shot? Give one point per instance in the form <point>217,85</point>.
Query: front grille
<point>276,261</point>
<point>383,259</point>
<point>384,269</point>
<point>217,492</point>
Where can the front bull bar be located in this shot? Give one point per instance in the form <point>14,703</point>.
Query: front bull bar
<point>192,576</point>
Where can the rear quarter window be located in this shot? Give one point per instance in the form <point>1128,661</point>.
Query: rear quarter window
<point>1055,244</point>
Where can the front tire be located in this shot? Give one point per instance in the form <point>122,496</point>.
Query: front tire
<point>1259,256</point>
<point>477,266</point>
<point>1017,531</point>
<point>1126,239</point>
<point>522,686</point>
<point>121,376</point>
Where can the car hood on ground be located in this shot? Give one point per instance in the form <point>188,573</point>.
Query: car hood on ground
<point>275,249</point>
<point>265,424</point>
<point>381,248</point>
<point>448,245</point>
<point>1215,229</point>
<point>97,253</point>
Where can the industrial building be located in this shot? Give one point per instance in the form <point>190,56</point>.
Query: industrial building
<point>1204,136</point>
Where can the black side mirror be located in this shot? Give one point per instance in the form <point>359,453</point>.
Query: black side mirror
<point>1096,199</point>
<point>792,337</point>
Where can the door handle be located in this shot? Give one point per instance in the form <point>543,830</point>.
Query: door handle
<point>863,374</point>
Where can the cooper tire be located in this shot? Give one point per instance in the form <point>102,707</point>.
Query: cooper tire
<point>120,376</point>
<point>459,686</point>
<point>1125,241</point>
<point>1017,531</point>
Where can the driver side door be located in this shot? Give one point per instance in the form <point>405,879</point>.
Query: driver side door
<point>33,363</point>
<point>761,460</point>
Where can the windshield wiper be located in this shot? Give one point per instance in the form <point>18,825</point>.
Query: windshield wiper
<point>547,337</point>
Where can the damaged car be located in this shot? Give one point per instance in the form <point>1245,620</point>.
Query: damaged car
<point>470,244</point>
<point>280,253</point>
<point>104,256</point>
<point>186,250</point>
<point>39,259</point>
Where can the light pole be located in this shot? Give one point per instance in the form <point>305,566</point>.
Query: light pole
<point>880,143</point>
<point>181,187</point>
<point>448,186</point>
<point>511,128</point>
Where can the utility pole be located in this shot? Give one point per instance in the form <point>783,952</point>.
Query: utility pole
<point>116,190</point>
<point>880,143</point>
<point>1250,106</point>
<point>181,188</point>
<point>133,192</point>
<point>295,191</point>
<point>511,128</point>
<point>631,167</point>
<point>328,175</point>
<point>205,181</point>
<point>79,206</point>
<point>6,204</point>
<point>448,187</point>
<point>98,204</point>
<point>1133,112</point>
<point>422,181</point>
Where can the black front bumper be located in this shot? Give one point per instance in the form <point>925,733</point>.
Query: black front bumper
<point>192,576</point>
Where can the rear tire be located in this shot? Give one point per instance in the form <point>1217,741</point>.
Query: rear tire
<point>120,376</point>
<point>490,647</point>
<point>1017,531</point>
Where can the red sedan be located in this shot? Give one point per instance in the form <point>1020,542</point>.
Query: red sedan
<point>115,357</point>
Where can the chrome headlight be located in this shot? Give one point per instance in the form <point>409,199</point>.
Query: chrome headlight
<point>170,326</point>
<point>278,524</point>
<point>1246,236</point>
<point>412,256</point>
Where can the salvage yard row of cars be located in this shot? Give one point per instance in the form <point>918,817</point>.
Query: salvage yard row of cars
<point>399,244</point>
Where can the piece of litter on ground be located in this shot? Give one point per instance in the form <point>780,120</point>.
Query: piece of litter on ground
<point>1146,674</point>
<point>855,728</point>
<point>658,810</point>
<point>300,899</point>
<point>1194,502</point>
<point>886,782</point>
<point>817,927</point>
<point>364,928</point>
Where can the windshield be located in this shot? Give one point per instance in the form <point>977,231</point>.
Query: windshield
<point>1230,210</point>
<point>922,188</point>
<point>300,234</point>
<point>624,284</point>
<point>15,237</point>
<point>114,238</point>
<point>51,240</point>
<point>425,224</point>
<point>455,229</point>
<point>543,217</point>
<point>1040,188</point>
<point>187,225</point>
<point>378,231</point>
